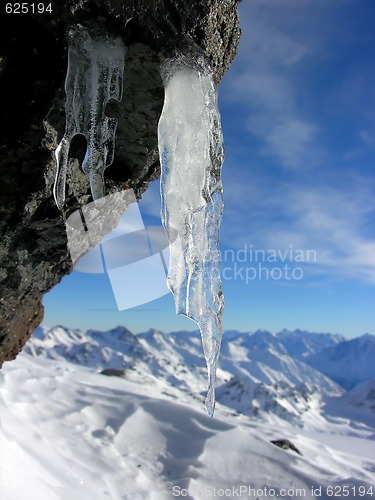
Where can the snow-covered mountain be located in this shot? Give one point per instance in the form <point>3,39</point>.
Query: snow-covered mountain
<point>300,344</point>
<point>258,372</point>
<point>348,363</point>
<point>69,431</point>
<point>362,396</point>
<point>251,398</point>
<point>262,357</point>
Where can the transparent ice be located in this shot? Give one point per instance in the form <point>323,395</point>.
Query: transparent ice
<point>95,73</point>
<point>191,153</point>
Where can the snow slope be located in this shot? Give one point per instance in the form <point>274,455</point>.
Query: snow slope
<point>362,395</point>
<point>67,431</point>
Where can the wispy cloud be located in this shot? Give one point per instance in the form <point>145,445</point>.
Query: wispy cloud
<point>368,137</point>
<point>291,100</point>
<point>293,141</point>
<point>278,47</point>
<point>320,215</point>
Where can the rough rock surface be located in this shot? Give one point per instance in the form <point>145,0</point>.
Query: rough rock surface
<point>33,62</point>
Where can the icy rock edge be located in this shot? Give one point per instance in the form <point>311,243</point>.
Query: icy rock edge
<point>94,76</point>
<point>191,154</point>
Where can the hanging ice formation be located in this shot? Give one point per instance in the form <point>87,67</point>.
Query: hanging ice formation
<point>95,72</point>
<point>191,153</point>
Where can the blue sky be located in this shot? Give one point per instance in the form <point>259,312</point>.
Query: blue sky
<point>298,114</point>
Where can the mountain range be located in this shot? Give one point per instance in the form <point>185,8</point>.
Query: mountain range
<point>278,373</point>
<point>117,416</point>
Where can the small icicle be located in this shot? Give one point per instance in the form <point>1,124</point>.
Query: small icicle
<point>95,74</point>
<point>191,153</point>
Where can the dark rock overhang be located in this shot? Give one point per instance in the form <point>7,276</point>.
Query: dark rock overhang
<point>33,62</point>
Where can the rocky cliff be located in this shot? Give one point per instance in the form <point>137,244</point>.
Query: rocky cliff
<point>33,62</point>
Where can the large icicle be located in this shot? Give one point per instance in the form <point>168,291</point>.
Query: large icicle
<point>95,72</point>
<point>191,153</point>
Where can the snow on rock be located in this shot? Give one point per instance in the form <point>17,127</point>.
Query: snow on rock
<point>262,357</point>
<point>285,444</point>
<point>251,398</point>
<point>117,348</point>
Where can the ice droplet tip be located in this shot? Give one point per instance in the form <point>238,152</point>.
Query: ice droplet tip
<point>210,402</point>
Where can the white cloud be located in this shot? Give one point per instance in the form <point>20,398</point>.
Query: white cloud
<point>368,137</point>
<point>290,108</point>
<point>333,220</point>
<point>266,78</point>
<point>293,141</point>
